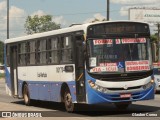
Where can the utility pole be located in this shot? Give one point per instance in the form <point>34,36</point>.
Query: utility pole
<point>158,31</point>
<point>7,19</point>
<point>108,5</point>
<point>158,25</point>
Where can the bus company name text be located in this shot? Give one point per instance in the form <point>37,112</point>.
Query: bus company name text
<point>41,74</point>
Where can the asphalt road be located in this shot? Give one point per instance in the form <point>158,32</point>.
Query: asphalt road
<point>137,111</point>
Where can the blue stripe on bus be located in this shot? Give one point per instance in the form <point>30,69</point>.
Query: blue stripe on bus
<point>48,91</point>
<point>7,78</point>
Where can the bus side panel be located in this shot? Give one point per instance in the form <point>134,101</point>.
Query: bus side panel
<point>55,91</point>
<point>20,85</point>
<point>44,91</point>
<point>47,91</point>
<point>33,90</point>
<point>45,82</point>
<point>72,87</point>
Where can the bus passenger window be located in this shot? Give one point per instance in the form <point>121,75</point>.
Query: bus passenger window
<point>54,53</point>
<point>48,48</point>
<point>32,52</point>
<point>22,54</point>
<point>43,51</point>
<point>38,52</point>
<point>52,50</point>
<point>67,50</point>
<point>27,53</point>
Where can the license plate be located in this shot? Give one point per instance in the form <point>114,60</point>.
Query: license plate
<point>125,95</point>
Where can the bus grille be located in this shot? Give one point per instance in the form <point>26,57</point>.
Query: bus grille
<point>130,88</point>
<point>122,77</point>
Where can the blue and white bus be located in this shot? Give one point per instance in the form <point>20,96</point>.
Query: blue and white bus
<point>102,62</point>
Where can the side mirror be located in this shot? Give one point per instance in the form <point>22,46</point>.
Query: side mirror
<point>69,68</point>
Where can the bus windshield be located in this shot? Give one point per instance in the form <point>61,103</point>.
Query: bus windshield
<point>118,55</point>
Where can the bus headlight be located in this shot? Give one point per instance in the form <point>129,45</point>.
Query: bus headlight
<point>148,85</point>
<point>97,87</point>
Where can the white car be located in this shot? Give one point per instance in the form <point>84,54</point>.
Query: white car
<point>157,81</point>
<point>2,71</point>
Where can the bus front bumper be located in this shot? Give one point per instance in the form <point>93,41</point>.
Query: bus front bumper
<point>96,97</point>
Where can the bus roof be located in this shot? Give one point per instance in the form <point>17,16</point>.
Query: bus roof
<point>73,28</point>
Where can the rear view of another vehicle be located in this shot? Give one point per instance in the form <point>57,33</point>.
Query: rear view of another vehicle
<point>157,78</point>
<point>157,81</point>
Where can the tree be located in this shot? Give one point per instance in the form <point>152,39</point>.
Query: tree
<point>40,24</point>
<point>155,47</point>
<point>154,38</point>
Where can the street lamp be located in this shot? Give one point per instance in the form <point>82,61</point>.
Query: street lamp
<point>7,19</point>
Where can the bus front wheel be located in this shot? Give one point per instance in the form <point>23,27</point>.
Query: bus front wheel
<point>26,96</point>
<point>68,101</point>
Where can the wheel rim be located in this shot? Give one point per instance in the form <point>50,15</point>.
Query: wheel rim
<point>26,99</point>
<point>68,102</point>
<point>68,99</point>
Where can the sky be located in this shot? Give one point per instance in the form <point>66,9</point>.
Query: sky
<point>64,12</point>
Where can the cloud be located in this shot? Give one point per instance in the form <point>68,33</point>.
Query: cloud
<point>16,20</point>
<point>3,6</point>
<point>39,13</point>
<point>95,16</point>
<point>60,20</point>
<point>17,17</point>
<point>3,12</point>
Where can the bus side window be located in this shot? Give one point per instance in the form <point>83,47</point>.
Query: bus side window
<point>32,52</point>
<point>43,51</point>
<point>27,56</point>
<point>54,53</point>
<point>49,56</point>
<point>66,51</point>
<point>22,53</point>
<point>37,51</point>
<point>52,50</point>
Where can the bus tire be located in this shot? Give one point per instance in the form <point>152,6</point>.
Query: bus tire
<point>68,101</point>
<point>122,105</point>
<point>26,95</point>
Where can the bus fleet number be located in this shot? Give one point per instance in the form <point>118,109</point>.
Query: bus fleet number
<point>60,69</point>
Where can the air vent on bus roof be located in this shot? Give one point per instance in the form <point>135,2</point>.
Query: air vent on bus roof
<point>74,25</point>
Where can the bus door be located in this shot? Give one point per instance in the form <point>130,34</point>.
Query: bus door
<point>80,73</point>
<point>13,70</point>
